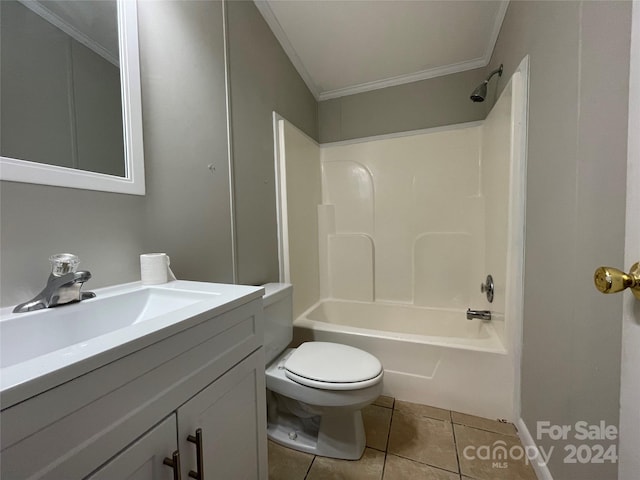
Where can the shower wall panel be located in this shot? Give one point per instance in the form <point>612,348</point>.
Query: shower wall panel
<point>299,198</point>
<point>495,174</point>
<point>351,266</point>
<point>417,198</point>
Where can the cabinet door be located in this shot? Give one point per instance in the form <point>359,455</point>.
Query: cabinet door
<point>232,415</point>
<point>143,460</point>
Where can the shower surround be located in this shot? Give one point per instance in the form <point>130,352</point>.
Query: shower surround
<point>387,240</point>
<point>403,220</point>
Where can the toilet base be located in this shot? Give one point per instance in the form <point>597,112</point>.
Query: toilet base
<point>337,436</point>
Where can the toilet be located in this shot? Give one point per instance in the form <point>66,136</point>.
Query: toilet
<point>315,393</point>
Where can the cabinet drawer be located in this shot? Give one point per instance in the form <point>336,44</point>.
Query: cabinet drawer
<point>118,402</point>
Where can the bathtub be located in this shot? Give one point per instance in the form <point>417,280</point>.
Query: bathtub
<point>430,356</point>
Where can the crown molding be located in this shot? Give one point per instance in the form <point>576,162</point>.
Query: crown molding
<point>402,79</point>
<point>41,10</point>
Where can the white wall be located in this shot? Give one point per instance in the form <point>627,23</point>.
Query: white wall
<point>495,173</point>
<point>422,219</point>
<point>300,193</point>
<point>408,219</point>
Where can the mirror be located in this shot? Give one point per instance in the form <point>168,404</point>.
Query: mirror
<point>70,107</point>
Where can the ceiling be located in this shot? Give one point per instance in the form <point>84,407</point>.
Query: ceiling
<point>342,47</point>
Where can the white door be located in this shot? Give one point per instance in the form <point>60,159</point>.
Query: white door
<point>629,441</point>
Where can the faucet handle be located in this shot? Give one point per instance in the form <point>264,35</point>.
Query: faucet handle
<point>63,285</point>
<point>488,288</point>
<point>63,263</point>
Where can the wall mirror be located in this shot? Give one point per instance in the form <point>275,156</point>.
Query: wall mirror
<point>70,101</point>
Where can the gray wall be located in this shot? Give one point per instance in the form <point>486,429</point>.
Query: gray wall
<point>187,205</point>
<point>579,54</point>
<point>412,106</point>
<point>186,211</point>
<point>104,229</point>
<point>262,80</point>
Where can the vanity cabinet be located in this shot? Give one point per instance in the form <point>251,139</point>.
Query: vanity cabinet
<point>230,424</point>
<point>122,419</point>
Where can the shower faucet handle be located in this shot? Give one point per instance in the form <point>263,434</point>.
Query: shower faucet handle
<point>488,288</point>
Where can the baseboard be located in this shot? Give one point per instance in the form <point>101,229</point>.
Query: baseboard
<point>541,469</point>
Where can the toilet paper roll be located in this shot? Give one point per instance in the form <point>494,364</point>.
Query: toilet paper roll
<point>154,268</point>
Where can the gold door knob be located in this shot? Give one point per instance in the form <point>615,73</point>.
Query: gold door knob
<point>612,280</point>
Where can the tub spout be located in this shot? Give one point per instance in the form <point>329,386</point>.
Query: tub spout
<point>481,314</point>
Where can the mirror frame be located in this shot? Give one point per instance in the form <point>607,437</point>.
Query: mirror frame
<point>15,170</point>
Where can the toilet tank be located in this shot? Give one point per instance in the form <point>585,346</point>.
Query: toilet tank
<point>278,318</point>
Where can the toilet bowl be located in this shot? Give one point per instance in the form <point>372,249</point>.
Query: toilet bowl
<point>315,392</point>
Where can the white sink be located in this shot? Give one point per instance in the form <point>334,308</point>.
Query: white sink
<point>27,336</point>
<point>43,348</point>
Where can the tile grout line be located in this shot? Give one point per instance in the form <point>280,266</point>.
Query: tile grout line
<point>384,465</point>
<point>386,445</point>
<point>306,475</point>
<point>426,464</point>
<point>455,445</point>
<point>485,430</point>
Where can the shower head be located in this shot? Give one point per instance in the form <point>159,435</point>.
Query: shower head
<point>480,93</point>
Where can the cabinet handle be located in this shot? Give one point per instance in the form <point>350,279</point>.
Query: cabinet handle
<point>199,473</point>
<point>174,463</point>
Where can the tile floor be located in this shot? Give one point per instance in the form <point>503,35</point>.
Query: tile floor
<point>408,441</point>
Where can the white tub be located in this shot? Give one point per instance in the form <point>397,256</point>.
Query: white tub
<point>430,356</point>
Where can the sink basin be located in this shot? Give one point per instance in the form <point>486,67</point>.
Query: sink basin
<point>27,336</point>
<point>38,349</point>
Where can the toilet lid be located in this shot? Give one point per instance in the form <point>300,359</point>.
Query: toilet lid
<point>332,366</point>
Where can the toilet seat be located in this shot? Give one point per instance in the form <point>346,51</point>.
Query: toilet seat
<point>332,366</point>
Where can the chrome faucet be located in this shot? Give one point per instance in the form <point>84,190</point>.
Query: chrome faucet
<point>481,314</point>
<point>63,285</point>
